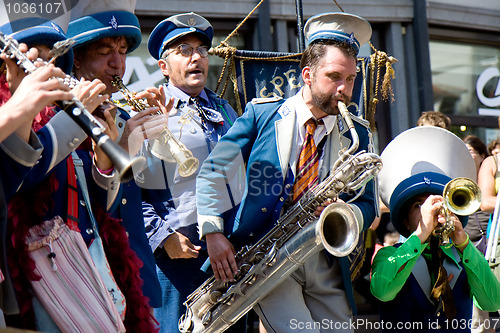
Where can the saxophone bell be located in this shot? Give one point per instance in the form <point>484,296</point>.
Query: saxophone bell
<point>338,229</point>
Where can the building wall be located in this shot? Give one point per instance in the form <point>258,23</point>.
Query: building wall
<point>482,14</point>
<point>479,14</point>
<point>400,28</point>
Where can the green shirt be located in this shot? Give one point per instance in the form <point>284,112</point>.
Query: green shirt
<point>392,266</point>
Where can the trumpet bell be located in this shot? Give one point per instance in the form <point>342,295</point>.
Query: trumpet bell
<point>173,151</point>
<point>462,196</point>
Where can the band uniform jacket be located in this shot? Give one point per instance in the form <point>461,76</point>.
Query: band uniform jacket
<point>262,138</point>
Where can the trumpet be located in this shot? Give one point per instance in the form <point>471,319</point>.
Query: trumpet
<point>462,196</point>
<point>166,147</point>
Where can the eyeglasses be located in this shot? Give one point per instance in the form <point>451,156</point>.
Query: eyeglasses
<point>187,50</point>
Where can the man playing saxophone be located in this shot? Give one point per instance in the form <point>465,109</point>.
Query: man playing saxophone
<point>289,146</point>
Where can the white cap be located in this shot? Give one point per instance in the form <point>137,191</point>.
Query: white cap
<point>342,27</point>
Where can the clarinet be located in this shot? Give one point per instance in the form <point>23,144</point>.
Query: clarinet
<point>77,111</point>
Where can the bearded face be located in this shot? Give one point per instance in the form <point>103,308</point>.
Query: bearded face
<point>329,81</point>
<point>327,102</point>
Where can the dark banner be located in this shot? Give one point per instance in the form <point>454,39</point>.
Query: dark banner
<point>268,74</point>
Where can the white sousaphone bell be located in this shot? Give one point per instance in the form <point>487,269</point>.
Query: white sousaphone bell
<point>424,159</point>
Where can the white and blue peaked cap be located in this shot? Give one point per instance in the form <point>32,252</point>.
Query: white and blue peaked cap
<point>169,30</point>
<point>94,20</point>
<point>342,27</point>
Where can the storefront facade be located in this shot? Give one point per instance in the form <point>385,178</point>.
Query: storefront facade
<point>448,52</point>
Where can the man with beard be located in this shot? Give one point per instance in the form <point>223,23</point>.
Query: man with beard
<point>271,138</point>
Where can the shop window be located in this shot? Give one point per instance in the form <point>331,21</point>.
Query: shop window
<point>466,84</point>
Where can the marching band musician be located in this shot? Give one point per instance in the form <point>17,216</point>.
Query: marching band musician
<point>180,43</point>
<point>104,34</point>
<point>269,138</point>
<point>43,194</point>
<point>424,284</point>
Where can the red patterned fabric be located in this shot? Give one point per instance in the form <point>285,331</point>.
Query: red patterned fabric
<point>4,90</point>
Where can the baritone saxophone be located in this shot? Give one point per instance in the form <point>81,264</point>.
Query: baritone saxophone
<point>297,235</point>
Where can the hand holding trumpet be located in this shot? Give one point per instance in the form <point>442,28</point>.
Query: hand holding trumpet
<point>435,214</point>
<point>165,146</point>
<point>434,217</point>
<point>147,123</point>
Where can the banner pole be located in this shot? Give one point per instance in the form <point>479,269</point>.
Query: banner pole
<point>300,25</point>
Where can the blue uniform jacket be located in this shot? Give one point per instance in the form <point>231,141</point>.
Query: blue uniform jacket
<point>17,158</point>
<point>128,208</point>
<point>59,137</point>
<point>262,139</point>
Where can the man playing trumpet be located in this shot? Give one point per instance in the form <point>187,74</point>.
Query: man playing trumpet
<point>180,43</point>
<point>423,283</point>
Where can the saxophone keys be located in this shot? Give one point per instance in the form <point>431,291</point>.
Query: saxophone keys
<point>214,296</point>
<point>224,299</point>
<point>206,318</point>
<point>185,323</point>
<point>234,289</point>
<point>257,270</point>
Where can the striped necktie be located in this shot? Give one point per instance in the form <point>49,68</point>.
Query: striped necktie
<point>308,164</point>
